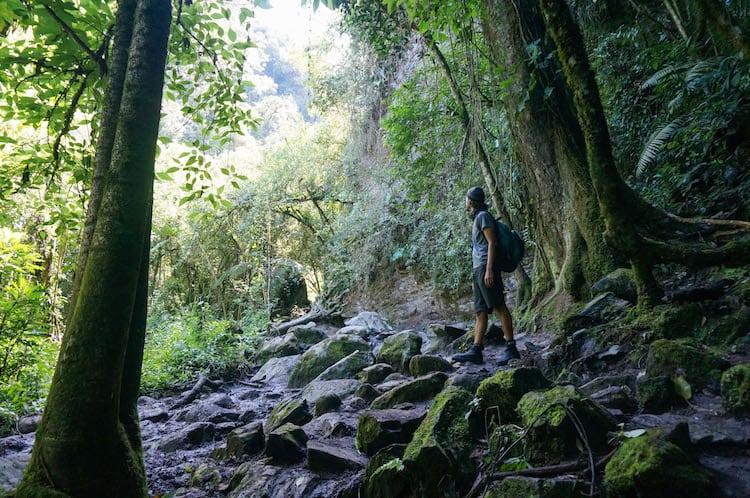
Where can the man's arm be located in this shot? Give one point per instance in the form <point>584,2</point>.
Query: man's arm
<point>490,233</point>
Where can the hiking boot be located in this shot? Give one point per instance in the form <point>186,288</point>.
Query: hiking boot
<point>473,355</point>
<point>510,353</point>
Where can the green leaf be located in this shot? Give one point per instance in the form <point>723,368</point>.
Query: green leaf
<point>682,387</point>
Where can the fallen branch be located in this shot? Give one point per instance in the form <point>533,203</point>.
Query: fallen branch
<point>311,316</point>
<point>549,471</point>
<point>193,393</point>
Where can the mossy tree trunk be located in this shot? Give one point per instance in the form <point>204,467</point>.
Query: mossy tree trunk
<point>88,443</point>
<point>549,145</point>
<point>643,234</point>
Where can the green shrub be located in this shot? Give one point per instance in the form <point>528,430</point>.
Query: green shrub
<point>179,348</point>
<point>27,352</point>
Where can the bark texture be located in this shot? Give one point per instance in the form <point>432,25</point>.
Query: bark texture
<point>88,442</point>
<point>549,143</point>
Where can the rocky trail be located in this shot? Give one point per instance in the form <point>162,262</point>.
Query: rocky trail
<point>332,408</point>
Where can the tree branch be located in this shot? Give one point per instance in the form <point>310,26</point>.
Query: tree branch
<point>89,51</point>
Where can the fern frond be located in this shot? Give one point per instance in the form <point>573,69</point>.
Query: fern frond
<point>658,76</point>
<point>655,144</point>
<point>697,71</point>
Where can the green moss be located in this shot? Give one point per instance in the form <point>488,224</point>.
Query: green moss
<point>398,349</point>
<point>442,443</point>
<point>650,466</point>
<point>551,434</point>
<point>322,355</point>
<point>502,391</point>
<point>735,390</point>
<point>700,366</point>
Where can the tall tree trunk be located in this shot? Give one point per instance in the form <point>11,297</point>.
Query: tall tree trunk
<point>88,442</point>
<point>618,204</point>
<point>549,144</point>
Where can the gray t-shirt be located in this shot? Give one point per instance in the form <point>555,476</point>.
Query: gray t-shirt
<point>479,244</point>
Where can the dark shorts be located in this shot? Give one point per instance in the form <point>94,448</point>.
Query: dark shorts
<point>487,299</point>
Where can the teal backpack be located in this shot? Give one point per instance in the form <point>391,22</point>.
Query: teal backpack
<point>511,248</point>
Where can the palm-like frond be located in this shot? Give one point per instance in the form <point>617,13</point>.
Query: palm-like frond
<point>656,142</point>
<point>659,75</point>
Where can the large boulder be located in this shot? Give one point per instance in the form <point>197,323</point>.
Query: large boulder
<point>650,465</point>
<point>735,390</point>
<point>419,389</point>
<point>372,321</point>
<point>322,355</point>
<point>339,387</point>
<point>436,462</point>
<point>501,393</point>
<point>286,445</point>
<point>700,367</point>
<point>290,410</point>
<point>380,428</point>
<point>423,364</point>
<point>276,347</point>
<point>244,441</point>
<point>441,447</point>
<point>347,367</point>
<point>399,348</point>
<point>553,418</point>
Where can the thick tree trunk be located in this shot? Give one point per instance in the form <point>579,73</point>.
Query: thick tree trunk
<point>88,442</point>
<point>618,204</point>
<point>549,144</point>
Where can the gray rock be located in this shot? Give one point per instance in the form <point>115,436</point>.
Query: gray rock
<point>423,364</point>
<point>371,320</point>
<point>340,387</point>
<point>286,444</point>
<point>276,371</point>
<point>29,423</point>
<point>328,457</point>
<point>375,374</point>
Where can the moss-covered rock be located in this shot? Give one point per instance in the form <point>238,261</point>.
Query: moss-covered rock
<point>619,282</point>
<point>551,429</point>
<point>504,444</point>
<point>308,334</point>
<point>243,441</point>
<point>277,347</point>
<point>380,428</point>
<point>532,487</point>
<point>347,367</point>
<point>502,392</point>
<point>735,390</point>
<point>419,389</point>
<point>375,374</point>
<point>422,364</point>
<point>286,444</point>
<point>388,480</point>
<point>290,410</point>
<point>441,447</point>
<point>671,358</point>
<point>383,457</point>
<point>398,349</point>
<point>651,466</point>
<point>322,355</point>
<point>656,394</point>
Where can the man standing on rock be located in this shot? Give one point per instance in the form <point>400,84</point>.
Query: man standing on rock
<point>487,281</point>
